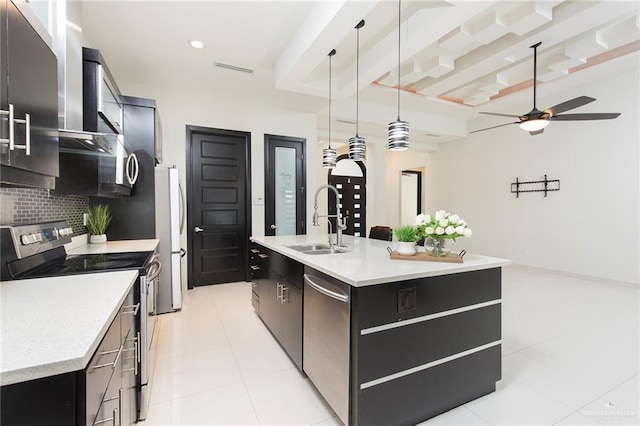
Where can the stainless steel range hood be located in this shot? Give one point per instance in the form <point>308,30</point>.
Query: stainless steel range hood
<point>76,140</point>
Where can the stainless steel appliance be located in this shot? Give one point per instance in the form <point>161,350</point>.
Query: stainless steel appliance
<point>326,340</point>
<point>37,250</point>
<point>95,164</point>
<point>169,226</point>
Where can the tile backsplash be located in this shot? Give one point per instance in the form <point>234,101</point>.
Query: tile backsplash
<point>29,205</point>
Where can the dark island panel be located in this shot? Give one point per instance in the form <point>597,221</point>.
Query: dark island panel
<point>419,396</point>
<point>378,304</point>
<point>402,348</point>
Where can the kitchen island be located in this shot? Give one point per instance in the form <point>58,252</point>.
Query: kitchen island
<point>385,341</point>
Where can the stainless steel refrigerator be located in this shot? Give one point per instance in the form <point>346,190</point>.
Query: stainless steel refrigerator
<point>169,225</point>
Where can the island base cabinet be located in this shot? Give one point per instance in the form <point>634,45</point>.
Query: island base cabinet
<point>424,346</point>
<point>277,299</point>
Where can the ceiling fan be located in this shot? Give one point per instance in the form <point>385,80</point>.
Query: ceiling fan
<point>535,120</point>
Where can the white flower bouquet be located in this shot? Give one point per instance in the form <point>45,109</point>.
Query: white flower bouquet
<point>440,231</point>
<point>441,225</point>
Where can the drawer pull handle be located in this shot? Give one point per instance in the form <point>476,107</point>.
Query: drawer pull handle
<point>113,419</point>
<point>115,361</point>
<point>255,268</point>
<point>135,308</point>
<point>136,348</point>
<point>264,256</point>
<point>255,251</point>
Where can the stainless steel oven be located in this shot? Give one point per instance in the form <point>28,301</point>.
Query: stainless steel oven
<point>37,250</point>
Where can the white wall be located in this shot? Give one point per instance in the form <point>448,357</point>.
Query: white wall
<point>591,226</point>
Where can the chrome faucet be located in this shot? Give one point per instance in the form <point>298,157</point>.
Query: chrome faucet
<point>340,224</point>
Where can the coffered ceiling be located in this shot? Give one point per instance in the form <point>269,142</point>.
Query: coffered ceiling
<point>458,57</point>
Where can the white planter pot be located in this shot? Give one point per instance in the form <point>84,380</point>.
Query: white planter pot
<point>98,239</point>
<point>406,248</point>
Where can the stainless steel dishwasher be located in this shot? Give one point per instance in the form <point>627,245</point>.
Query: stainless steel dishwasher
<point>326,340</point>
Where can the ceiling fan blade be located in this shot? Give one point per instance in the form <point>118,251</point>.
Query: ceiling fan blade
<point>537,132</point>
<point>580,117</point>
<point>499,114</point>
<point>489,128</point>
<point>569,105</point>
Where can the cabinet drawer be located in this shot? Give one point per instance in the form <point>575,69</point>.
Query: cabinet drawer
<point>110,410</point>
<point>101,367</point>
<point>287,268</point>
<point>379,304</point>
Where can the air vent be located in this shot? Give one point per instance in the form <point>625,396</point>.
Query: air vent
<point>233,67</point>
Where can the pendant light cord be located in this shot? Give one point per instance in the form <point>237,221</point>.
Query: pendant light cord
<point>399,22</point>
<point>357,73</point>
<point>333,52</point>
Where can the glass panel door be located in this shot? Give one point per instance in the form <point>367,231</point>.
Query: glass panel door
<point>285,193</point>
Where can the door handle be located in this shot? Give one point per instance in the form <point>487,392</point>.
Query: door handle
<point>274,227</point>
<point>198,229</point>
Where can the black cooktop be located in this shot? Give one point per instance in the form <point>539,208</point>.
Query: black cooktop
<point>87,263</point>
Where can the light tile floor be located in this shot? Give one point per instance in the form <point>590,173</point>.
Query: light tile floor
<point>570,357</point>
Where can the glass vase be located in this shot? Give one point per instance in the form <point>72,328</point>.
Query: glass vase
<point>438,247</point>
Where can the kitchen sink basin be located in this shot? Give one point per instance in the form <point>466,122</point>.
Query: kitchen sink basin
<point>310,247</point>
<point>325,251</point>
<point>317,249</point>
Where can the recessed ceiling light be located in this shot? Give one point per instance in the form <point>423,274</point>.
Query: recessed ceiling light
<point>196,44</point>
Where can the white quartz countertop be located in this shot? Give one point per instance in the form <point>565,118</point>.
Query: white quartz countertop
<point>54,325</point>
<point>115,247</point>
<point>368,261</point>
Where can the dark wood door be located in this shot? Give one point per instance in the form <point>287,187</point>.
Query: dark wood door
<point>219,208</point>
<point>353,203</point>
<point>285,181</point>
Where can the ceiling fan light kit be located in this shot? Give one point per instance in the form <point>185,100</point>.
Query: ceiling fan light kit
<point>535,120</point>
<point>398,136</point>
<point>534,125</point>
<point>357,146</point>
<point>329,155</point>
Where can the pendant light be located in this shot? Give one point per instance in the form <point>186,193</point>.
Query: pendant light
<point>329,155</point>
<point>357,147</point>
<point>398,139</point>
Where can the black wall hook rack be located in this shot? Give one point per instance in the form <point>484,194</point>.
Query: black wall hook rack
<point>548,186</point>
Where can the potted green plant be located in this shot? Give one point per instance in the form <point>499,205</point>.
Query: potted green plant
<point>407,237</point>
<point>98,219</point>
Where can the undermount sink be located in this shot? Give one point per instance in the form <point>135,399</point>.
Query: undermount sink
<point>309,247</point>
<point>317,249</point>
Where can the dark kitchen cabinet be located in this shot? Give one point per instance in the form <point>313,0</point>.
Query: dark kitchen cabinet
<point>134,216</point>
<point>29,103</point>
<point>101,98</point>
<point>279,291</point>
